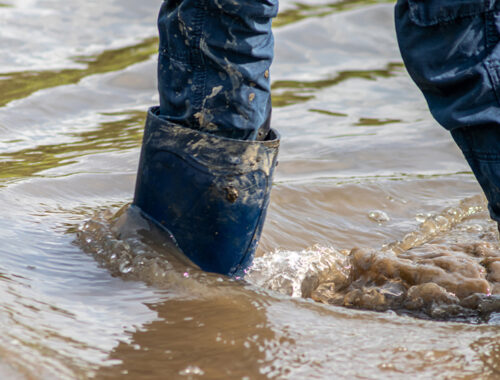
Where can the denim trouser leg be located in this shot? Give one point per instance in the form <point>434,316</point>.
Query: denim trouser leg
<point>451,50</point>
<point>214,61</point>
<point>481,148</point>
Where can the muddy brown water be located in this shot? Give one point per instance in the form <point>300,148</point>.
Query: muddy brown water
<point>378,259</point>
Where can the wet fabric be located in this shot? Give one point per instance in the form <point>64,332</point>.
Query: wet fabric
<point>450,49</point>
<point>481,148</point>
<point>214,61</point>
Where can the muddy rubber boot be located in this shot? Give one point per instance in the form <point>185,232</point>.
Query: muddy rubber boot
<point>211,193</point>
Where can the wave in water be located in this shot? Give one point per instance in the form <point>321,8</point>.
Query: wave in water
<point>447,269</point>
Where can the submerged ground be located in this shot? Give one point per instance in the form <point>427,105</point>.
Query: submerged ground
<point>375,218</point>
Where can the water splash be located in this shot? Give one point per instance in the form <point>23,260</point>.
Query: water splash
<point>132,247</point>
<point>447,269</point>
<point>297,274</point>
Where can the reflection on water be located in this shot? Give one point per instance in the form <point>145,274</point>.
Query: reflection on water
<point>329,113</point>
<point>302,10</point>
<point>367,121</point>
<point>19,85</point>
<point>166,348</point>
<point>375,217</point>
<point>288,92</point>
<point>110,136</point>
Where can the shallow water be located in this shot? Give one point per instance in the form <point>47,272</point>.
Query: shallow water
<point>87,294</point>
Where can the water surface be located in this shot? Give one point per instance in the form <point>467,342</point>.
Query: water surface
<point>86,294</point>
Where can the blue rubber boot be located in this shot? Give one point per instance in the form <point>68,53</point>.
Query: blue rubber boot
<point>210,192</point>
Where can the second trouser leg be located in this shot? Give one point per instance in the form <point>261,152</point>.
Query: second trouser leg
<point>481,148</point>
<point>451,51</point>
<point>214,61</point>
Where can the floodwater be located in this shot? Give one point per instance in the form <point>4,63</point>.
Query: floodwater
<point>377,260</point>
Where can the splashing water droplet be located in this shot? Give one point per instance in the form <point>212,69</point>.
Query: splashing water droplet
<point>420,217</point>
<point>378,216</point>
<point>192,370</point>
<point>125,267</point>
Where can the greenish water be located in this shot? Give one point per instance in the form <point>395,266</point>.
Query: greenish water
<point>19,85</point>
<point>301,10</point>
<point>288,92</point>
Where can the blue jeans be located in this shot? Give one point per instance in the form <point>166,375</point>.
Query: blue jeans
<point>451,50</point>
<point>214,61</point>
<point>215,57</point>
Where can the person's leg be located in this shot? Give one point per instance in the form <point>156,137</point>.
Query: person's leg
<point>481,147</point>
<point>208,154</point>
<point>451,50</point>
<point>214,62</point>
